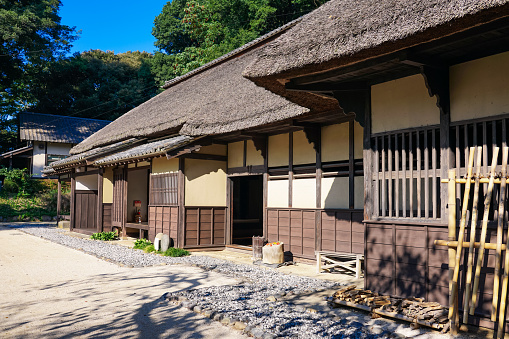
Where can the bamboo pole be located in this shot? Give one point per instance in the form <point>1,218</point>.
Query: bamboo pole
<point>488,246</point>
<point>453,311</point>
<point>473,224</point>
<point>451,190</point>
<point>505,282</point>
<point>480,256</point>
<point>500,231</point>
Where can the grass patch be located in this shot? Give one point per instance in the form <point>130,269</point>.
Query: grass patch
<point>149,249</point>
<point>176,252</point>
<point>105,236</point>
<point>140,244</point>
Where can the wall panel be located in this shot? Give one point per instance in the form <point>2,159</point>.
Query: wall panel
<point>163,219</point>
<point>278,150</point>
<point>204,226</point>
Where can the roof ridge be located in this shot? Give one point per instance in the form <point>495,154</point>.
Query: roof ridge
<point>231,54</point>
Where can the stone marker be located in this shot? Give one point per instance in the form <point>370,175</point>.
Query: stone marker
<point>161,242</point>
<point>273,253</point>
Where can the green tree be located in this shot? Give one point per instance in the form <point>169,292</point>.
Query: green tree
<point>190,33</point>
<point>95,84</point>
<point>31,37</point>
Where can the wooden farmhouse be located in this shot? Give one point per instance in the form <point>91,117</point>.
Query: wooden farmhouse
<point>332,133</point>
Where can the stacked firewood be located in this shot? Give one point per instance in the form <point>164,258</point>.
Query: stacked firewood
<point>414,310</point>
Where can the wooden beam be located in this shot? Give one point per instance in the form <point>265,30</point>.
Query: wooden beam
<point>327,87</point>
<point>368,153</point>
<point>201,156</point>
<point>351,168</point>
<point>265,187</point>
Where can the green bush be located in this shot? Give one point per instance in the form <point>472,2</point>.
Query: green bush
<point>149,249</point>
<point>105,236</point>
<point>19,181</point>
<point>176,252</point>
<point>140,244</point>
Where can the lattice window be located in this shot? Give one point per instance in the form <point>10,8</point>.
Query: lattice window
<point>164,189</point>
<point>407,174</point>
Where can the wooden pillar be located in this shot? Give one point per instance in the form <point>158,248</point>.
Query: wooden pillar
<point>99,215</point>
<point>124,201</point>
<point>351,167</point>
<point>59,198</point>
<point>73,200</point>
<point>181,204</point>
<point>229,211</point>
<point>367,155</point>
<point>318,215</point>
<point>290,170</point>
<point>265,187</point>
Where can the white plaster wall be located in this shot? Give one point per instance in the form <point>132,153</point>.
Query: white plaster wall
<point>38,159</point>
<point>86,183</point>
<point>277,193</point>
<point>108,185</point>
<point>358,201</point>
<point>304,193</point>
<point>335,142</point>
<point>335,192</point>
<point>480,88</point>
<point>163,165</point>
<point>205,183</point>
<point>402,103</point>
<point>236,154</point>
<point>58,149</point>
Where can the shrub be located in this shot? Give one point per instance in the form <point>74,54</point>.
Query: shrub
<point>176,252</point>
<point>18,181</point>
<point>149,249</point>
<point>105,236</point>
<point>141,244</point>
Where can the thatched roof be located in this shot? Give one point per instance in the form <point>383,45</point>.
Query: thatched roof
<point>345,31</point>
<point>57,128</point>
<point>215,99</point>
<point>150,149</point>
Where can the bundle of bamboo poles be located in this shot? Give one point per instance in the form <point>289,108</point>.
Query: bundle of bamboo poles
<point>456,245</point>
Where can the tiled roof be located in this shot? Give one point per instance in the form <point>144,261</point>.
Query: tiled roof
<point>57,128</point>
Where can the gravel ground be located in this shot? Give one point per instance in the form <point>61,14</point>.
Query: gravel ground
<point>255,301</point>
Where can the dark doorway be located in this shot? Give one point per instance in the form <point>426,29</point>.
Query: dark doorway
<point>247,209</point>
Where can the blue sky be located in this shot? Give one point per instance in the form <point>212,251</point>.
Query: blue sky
<point>113,25</point>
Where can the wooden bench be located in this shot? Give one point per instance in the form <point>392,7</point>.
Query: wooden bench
<point>342,260</point>
<point>141,227</point>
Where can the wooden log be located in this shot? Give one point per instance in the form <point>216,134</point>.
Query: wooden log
<point>453,310</point>
<point>480,256</point>
<point>500,231</point>
<point>503,297</point>
<point>454,244</point>
<point>473,224</point>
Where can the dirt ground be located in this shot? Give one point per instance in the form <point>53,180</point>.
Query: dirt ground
<point>48,290</point>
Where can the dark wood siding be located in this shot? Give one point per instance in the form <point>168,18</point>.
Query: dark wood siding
<point>295,228</point>
<point>163,219</point>
<point>107,210</point>
<point>402,260</point>
<point>342,231</point>
<point>204,226</point>
<point>85,211</point>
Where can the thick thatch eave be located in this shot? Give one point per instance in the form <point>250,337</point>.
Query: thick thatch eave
<point>343,32</point>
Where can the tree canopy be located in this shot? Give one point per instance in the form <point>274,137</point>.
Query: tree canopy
<point>190,33</point>
<point>95,84</point>
<point>31,37</point>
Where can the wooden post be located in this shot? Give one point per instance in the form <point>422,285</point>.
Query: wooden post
<point>100,200</point>
<point>480,255</point>
<point>500,231</point>
<point>59,198</point>
<point>473,224</point>
<point>265,187</point>
<point>453,311</point>
<point>181,222</point>
<point>73,200</point>
<point>290,170</point>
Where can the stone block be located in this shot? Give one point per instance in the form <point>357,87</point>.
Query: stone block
<point>161,242</point>
<point>46,218</point>
<point>273,254</point>
<point>64,224</point>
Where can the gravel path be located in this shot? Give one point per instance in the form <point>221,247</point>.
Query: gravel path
<point>255,302</point>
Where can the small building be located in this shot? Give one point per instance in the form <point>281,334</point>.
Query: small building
<point>47,138</point>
